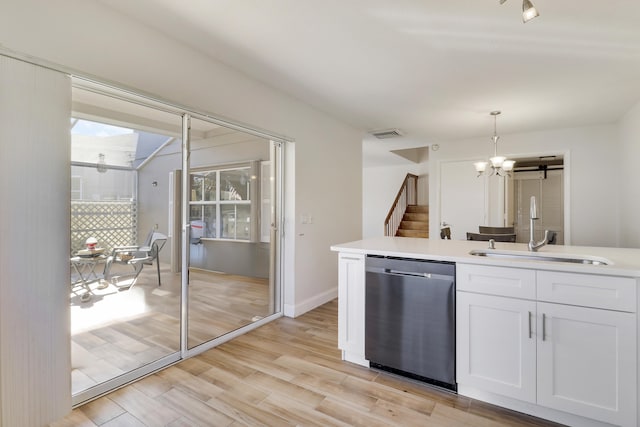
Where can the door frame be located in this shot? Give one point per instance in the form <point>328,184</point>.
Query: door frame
<point>435,225</point>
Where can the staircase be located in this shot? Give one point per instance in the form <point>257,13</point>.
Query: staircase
<point>415,222</point>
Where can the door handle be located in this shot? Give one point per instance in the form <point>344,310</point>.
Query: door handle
<point>544,328</point>
<point>407,273</point>
<point>529,325</point>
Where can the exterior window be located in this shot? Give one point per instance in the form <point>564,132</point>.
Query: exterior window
<point>76,188</point>
<point>220,205</point>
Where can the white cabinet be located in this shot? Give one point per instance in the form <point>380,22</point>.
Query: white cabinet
<point>542,350</point>
<point>495,344</point>
<point>587,362</point>
<point>351,302</point>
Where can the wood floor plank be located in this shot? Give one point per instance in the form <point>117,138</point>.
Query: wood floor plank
<point>102,410</point>
<point>193,409</point>
<point>338,365</point>
<point>153,385</point>
<point>125,420</point>
<point>277,385</point>
<point>337,391</point>
<point>350,415</point>
<point>234,406</point>
<point>188,383</point>
<point>308,368</point>
<point>76,418</point>
<point>420,389</point>
<point>507,416</point>
<point>399,415</point>
<point>152,411</point>
<point>448,416</point>
<point>302,415</point>
<point>287,372</point>
<point>390,394</point>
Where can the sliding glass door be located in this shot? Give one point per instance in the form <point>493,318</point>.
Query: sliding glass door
<point>125,302</point>
<point>232,211</point>
<point>174,235</point>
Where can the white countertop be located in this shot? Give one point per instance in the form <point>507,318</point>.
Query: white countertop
<point>623,261</point>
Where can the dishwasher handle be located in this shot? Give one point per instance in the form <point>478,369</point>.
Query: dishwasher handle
<point>407,273</point>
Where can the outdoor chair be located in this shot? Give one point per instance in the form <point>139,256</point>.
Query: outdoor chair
<point>136,257</point>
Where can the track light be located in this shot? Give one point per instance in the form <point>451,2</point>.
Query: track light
<point>529,11</point>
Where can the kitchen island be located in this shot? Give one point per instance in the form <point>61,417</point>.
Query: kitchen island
<point>553,333</point>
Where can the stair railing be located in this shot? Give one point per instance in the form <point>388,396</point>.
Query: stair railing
<point>407,195</point>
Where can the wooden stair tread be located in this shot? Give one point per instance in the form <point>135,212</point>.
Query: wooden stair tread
<point>416,217</point>
<point>414,225</point>
<point>417,209</point>
<point>413,233</point>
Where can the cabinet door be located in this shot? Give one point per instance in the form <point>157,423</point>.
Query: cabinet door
<point>351,306</point>
<point>496,345</point>
<point>586,362</point>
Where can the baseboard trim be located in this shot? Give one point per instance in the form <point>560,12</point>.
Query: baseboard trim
<point>295,310</point>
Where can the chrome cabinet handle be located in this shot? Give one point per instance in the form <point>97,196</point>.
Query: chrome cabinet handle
<point>544,329</point>
<point>529,325</point>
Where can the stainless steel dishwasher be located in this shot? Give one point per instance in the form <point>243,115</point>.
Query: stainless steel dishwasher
<point>410,318</point>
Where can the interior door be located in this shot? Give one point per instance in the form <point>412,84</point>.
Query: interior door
<point>548,189</point>
<point>462,198</point>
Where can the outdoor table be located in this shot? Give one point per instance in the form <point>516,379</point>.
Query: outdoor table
<point>85,268</point>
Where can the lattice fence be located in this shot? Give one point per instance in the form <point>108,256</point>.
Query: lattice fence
<point>113,223</point>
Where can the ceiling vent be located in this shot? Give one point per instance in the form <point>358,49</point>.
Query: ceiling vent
<point>387,133</point>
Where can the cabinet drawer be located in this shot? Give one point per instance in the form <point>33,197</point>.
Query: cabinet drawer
<point>588,290</point>
<point>503,281</point>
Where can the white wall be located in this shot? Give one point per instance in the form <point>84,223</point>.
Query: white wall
<point>628,176</point>
<point>380,185</point>
<point>89,37</point>
<point>592,164</point>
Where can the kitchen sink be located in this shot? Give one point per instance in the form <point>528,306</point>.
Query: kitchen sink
<point>537,256</point>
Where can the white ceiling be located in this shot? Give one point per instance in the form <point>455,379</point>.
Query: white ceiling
<point>435,69</point>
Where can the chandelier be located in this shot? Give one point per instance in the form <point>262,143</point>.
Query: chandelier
<point>500,165</point>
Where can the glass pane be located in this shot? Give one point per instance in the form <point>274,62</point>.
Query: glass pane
<point>210,221</point>
<point>196,221</point>
<point>228,215</point>
<point>234,184</point>
<point>230,282</point>
<point>124,304</point>
<point>236,221</point>
<point>196,187</point>
<point>209,187</point>
<point>203,187</point>
<point>203,221</point>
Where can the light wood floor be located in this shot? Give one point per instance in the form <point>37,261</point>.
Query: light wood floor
<point>287,372</point>
<point>118,331</point>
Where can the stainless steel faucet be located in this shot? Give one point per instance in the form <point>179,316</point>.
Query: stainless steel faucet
<point>533,216</point>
